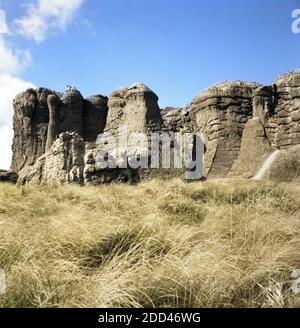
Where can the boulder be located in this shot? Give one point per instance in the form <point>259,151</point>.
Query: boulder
<point>283,167</point>
<point>8,176</point>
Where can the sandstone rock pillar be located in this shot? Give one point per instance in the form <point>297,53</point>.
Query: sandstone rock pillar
<point>53,126</point>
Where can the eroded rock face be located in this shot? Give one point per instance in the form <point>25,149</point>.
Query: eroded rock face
<point>285,166</point>
<point>135,107</point>
<point>283,128</point>
<point>177,119</point>
<point>30,123</point>
<point>220,114</point>
<point>41,115</point>
<point>71,114</point>
<point>255,148</point>
<point>243,125</point>
<point>64,162</point>
<point>53,126</point>
<point>94,117</point>
<point>131,110</point>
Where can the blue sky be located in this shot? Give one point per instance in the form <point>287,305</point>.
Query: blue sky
<point>176,47</point>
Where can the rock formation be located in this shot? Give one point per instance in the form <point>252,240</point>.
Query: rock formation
<point>281,165</point>
<point>94,117</point>
<point>40,116</point>
<point>56,137</point>
<point>255,148</point>
<point>220,114</point>
<point>136,107</point>
<point>275,126</point>
<point>64,162</point>
<point>282,126</point>
<point>53,130</point>
<point>30,122</point>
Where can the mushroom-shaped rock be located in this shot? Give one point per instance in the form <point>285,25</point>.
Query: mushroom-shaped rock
<point>136,108</point>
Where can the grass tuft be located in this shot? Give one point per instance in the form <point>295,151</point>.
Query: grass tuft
<point>222,243</point>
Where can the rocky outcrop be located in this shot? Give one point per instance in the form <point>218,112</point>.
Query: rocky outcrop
<point>131,111</point>
<point>41,115</point>
<point>135,107</point>
<point>94,117</point>
<point>220,114</point>
<point>255,148</point>
<point>276,111</point>
<point>282,126</point>
<point>249,130</point>
<point>64,162</point>
<point>30,123</point>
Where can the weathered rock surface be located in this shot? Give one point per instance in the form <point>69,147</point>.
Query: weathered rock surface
<point>135,107</point>
<point>41,115</point>
<point>64,162</point>
<point>177,119</point>
<point>285,166</point>
<point>255,148</point>
<point>220,114</point>
<point>30,122</point>
<point>53,126</point>
<point>283,128</point>
<point>94,117</point>
<point>243,126</point>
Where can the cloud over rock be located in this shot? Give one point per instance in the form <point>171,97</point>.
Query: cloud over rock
<point>43,16</point>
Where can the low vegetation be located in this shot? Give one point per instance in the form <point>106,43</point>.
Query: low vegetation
<point>226,243</point>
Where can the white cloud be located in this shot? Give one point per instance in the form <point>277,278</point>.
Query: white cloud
<point>9,87</point>
<point>11,63</point>
<point>42,16</point>
<point>6,135</point>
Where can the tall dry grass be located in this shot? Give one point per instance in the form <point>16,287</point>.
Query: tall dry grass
<point>226,243</point>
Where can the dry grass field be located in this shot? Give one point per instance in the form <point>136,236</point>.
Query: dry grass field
<point>226,243</point>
